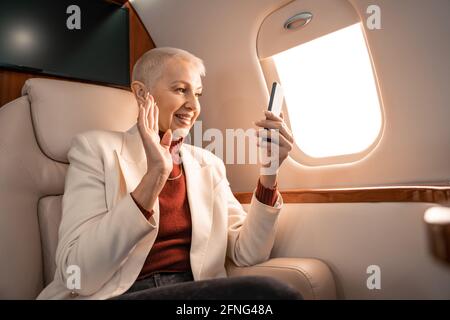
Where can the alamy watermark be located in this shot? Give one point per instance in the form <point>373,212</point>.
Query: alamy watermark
<point>373,22</point>
<point>374,280</point>
<point>74,20</point>
<point>239,146</point>
<point>73,281</point>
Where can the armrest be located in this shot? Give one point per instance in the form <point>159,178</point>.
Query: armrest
<point>311,277</point>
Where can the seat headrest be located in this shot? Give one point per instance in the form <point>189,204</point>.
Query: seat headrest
<point>62,109</point>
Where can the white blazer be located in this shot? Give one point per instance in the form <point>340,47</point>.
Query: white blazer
<point>105,234</point>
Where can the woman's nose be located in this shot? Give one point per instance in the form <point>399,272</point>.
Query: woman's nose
<point>192,102</point>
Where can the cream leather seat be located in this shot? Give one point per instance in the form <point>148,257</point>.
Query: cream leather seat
<point>35,135</point>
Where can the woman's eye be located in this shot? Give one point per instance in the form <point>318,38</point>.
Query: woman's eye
<point>181,90</point>
<point>198,94</point>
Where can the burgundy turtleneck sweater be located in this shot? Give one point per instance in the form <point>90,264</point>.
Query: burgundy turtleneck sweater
<point>170,252</point>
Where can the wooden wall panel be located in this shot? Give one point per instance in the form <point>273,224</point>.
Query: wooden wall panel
<point>140,40</point>
<point>11,81</point>
<point>432,193</point>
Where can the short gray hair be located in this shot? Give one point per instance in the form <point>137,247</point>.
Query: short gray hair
<point>148,69</point>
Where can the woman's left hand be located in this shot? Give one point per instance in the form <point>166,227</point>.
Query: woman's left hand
<point>276,143</point>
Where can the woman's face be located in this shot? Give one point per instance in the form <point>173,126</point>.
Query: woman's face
<point>176,94</point>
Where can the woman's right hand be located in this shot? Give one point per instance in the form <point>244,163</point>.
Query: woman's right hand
<point>159,159</point>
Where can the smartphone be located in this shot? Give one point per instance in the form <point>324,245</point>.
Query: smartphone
<point>276,99</point>
<point>275,102</point>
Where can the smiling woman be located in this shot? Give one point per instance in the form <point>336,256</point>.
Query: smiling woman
<point>176,90</point>
<point>167,225</point>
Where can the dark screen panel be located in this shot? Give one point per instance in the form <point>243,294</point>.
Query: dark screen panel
<point>34,36</point>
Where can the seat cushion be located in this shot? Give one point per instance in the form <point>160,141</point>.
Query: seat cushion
<point>49,213</point>
<point>311,277</point>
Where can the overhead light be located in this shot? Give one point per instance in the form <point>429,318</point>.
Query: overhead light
<point>297,21</point>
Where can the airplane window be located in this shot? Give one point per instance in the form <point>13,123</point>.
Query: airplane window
<point>330,94</point>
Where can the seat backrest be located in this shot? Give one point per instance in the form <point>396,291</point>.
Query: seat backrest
<point>36,131</point>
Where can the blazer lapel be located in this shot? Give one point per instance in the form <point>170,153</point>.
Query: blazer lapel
<point>199,186</point>
<point>132,166</point>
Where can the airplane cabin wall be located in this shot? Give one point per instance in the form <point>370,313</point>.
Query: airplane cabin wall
<point>411,60</point>
<point>410,54</point>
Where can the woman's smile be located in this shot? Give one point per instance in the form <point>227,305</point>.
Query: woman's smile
<point>183,119</point>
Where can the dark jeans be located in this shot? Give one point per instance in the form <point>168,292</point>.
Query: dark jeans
<point>180,286</point>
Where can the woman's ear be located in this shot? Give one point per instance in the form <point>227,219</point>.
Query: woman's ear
<point>139,91</point>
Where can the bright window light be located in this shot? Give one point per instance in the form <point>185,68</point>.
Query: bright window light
<point>331,94</point>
